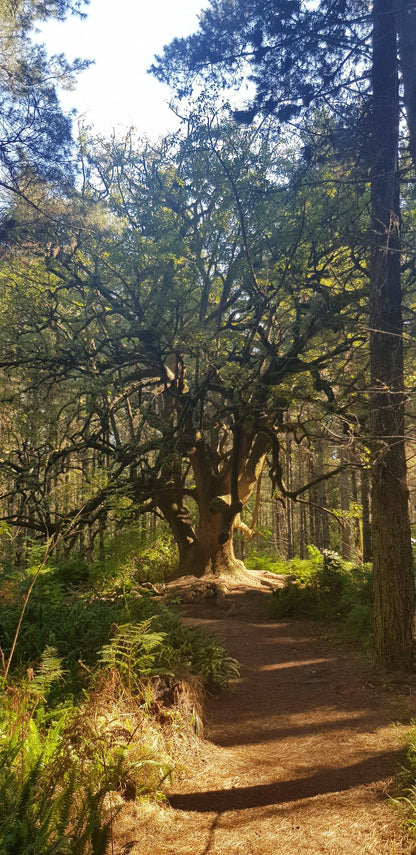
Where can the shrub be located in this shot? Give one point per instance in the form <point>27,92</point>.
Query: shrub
<point>133,558</point>
<point>327,588</point>
<point>78,625</point>
<point>406,782</point>
<point>263,563</point>
<point>128,661</point>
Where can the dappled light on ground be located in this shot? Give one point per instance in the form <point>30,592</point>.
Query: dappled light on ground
<point>301,757</point>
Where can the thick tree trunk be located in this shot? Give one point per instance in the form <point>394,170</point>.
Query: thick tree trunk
<point>208,548</point>
<point>207,551</point>
<point>406,23</point>
<point>208,556</point>
<point>392,556</point>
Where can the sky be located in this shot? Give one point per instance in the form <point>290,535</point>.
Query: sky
<point>122,36</point>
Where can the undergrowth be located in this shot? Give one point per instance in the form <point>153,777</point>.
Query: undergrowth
<point>78,623</point>
<point>104,690</point>
<point>406,782</point>
<point>325,587</point>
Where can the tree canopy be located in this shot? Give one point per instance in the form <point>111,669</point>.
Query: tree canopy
<point>299,57</point>
<point>35,134</point>
<point>182,313</point>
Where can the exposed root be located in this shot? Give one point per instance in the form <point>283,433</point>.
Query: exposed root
<point>220,589</point>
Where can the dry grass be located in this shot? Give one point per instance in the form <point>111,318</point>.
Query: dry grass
<point>145,736</point>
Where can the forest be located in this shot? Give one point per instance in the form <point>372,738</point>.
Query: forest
<point>208,373</point>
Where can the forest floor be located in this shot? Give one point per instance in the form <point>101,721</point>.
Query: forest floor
<point>298,757</point>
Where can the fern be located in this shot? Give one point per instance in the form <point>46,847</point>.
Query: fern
<point>134,651</point>
<point>42,811</point>
<point>49,671</point>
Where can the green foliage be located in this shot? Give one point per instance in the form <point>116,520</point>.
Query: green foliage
<point>72,573</point>
<point>79,625</point>
<point>186,650</point>
<point>324,587</point>
<point>134,651</point>
<point>202,655</point>
<point>134,555</point>
<point>211,661</point>
<point>155,562</point>
<point>48,805</point>
<point>299,567</point>
<point>131,555</point>
<point>407,783</point>
<point>260,561</point>
<point>58,762</point>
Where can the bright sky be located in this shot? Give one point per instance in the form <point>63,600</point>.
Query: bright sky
<point>122,36</point>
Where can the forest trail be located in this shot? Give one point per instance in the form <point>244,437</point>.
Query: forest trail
<point>301,751</point>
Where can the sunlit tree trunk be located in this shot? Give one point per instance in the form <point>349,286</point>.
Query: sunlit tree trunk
<point>345,502</point>
<point>206,548</point>
<point>289,503</point>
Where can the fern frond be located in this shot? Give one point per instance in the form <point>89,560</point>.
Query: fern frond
<point>49,671</point>
<point>133,651</point>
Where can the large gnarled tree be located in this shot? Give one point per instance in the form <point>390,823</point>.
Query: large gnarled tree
<point>190,309</point>
<point>342,55</point>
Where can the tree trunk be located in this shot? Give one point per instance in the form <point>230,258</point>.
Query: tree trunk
<point>392,556</point>
<point>289,504</point>
<point>303,537</point>
<point>208,556</point>
<point>345,503</point>
<point>208,549</point>
<point>366,548</point>
<point>406,24</point>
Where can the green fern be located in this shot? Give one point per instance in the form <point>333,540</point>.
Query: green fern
<point>44,807</point>
<point>134,651</point>
<point>43,810</point>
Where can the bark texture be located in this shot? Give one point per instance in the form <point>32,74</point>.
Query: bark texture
<point>222,484</point>
<point>406,25</point>
<point>392,556</point>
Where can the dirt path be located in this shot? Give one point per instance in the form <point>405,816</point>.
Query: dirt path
<point>301,757</point>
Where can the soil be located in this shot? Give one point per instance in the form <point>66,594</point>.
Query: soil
<point>299,755</point>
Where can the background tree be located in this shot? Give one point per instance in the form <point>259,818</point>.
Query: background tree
<point>35,134</point>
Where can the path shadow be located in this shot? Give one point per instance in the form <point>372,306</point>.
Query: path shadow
<point>263,733</point>
<point>323,781</point>
<point>289,671</point>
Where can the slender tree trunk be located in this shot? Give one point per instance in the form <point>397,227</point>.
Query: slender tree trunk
<point>366,548</point>
<point>313,534</point>
<point>406,23</point>
<point>392,556</point>
<point>322,499</point>
<point>289,504</point>
<point>355,520</point>
<point>303,537</point>
<point>345,502</point>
